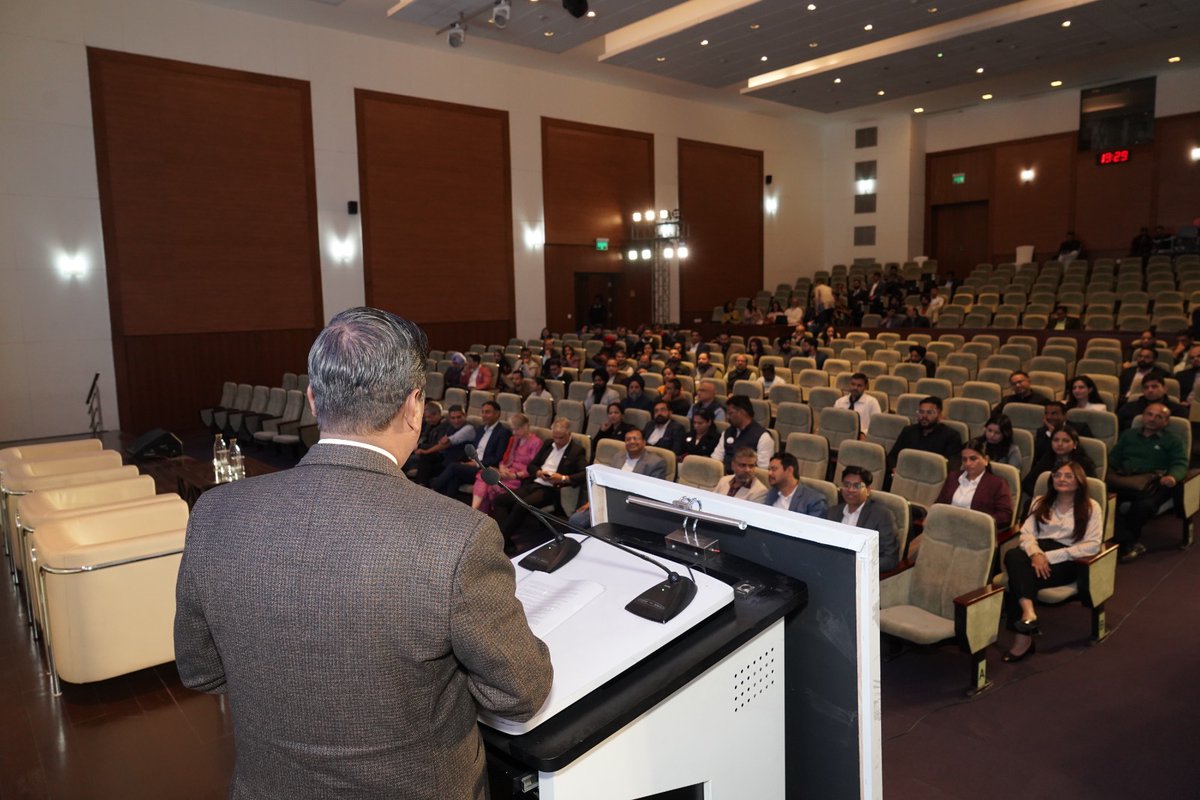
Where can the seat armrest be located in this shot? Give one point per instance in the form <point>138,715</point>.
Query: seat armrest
<point>1005,535</point>
<point>1190,494</point>
<point>977,617</point>
<point>1097,576</point>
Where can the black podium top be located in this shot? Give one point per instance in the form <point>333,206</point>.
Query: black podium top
<point>569,734</point>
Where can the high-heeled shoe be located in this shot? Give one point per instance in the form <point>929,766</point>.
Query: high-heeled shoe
<point>1027,627</point>
<point>1011,658</point>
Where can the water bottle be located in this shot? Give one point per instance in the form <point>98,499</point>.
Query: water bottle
<point>237,463</point>
<point>220,459</point>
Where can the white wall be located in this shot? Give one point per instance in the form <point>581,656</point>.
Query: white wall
<point>55,333</point>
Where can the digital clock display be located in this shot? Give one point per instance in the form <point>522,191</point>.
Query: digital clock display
<point>1112,157</point>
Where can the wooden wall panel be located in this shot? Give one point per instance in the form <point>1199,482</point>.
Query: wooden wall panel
<point>435,186</point>
<point>208,204</point>
<point>171,377</point>
<point>1178,174</point>
<point>593,179</point>
<point>721,202</point>
<point>1113,201</point>
<point>976,165</point>
<point>1032,213</point>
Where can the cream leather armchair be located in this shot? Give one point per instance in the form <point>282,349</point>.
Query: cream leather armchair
<point>106,590</point>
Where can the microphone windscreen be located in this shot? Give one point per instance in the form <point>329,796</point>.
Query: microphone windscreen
<point>491,477</point>
<point>471,451</point>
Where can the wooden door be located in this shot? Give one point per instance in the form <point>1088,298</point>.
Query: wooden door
<point>959,234</point>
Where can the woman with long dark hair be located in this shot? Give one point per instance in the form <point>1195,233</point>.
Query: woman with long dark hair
<point>1064,446</point>
<point>999,444</point>
<point>1064,524</point>
<point>755,350</point>
<point>1082,393</point>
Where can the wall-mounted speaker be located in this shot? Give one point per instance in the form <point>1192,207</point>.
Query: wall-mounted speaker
<point>352,207</point>
<point>157,443</point>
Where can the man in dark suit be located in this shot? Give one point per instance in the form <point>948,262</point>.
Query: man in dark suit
<point>1059,321</point>
<point>1054,417</point>
<point>636,459</point>
<point>1145,362</point>
<point>561,462</point>
<point>787,492</point>
<point>663,431</point>
<point>1154,390</point>
<point>1022,392</point>
<point>491,441</point>
<point>379,618</point>
<point>1187,377</point>
<point>858,509</point>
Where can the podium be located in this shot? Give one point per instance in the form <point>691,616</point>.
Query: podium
<point>725,700</point>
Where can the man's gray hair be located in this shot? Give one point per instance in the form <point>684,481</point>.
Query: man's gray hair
<point>362,367</point>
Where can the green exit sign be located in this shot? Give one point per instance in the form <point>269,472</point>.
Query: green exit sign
<point>958,177</point>
<point>602,244</point>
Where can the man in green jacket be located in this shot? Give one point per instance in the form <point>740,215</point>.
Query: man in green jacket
<point>1150,449</point>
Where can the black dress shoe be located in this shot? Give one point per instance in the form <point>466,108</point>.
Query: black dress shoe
<point>1029,628</point>
<point>1011,658</point>
<point>1135,550</point>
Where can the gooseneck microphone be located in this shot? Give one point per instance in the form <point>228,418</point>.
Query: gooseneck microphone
<point>660,603</point>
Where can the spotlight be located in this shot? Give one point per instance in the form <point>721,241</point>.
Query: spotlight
<point>633,255</point>
<point>576,8</point>
<point>501,11</point>
<point>456,34</point>
<point>682,251</point>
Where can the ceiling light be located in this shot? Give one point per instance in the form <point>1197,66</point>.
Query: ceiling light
<point>548,34</point>
<point>932,9</point>
<point>1056,84</point>
<point>939,55</point>
<point>591,15</point>
<point>881,93</point>
<point>985,97</point>
<point>501,11</point>
<point>979,71</point>
<point>1027,175</point>
<point>637,216</point>
<point>633,255</point>
<point>649,215</point>
<point>1066,23</point>
<point>682,250</point>
<point>764,58</point>
<point>668,252</point>
<point>812,6</point>
<point>837,80</point>
<point>918,110</point>
<point>664,214</point>
<point>868,27</point>
<point>812,44</point>
<point>660,59</point>
<point>456,34</point>
<point>1195,154</point>
<point>646,254</point>
<point>704,42</point>
<point>754,26</point>
<point>1174,60</point>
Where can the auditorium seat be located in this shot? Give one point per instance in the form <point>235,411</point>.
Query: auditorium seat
<point>228,392</point>
<point>290,434</point>
<point>241,402</point>
<point>292,409</point>
<point>812,453</point>
<point>700,472</point>
<point>919,476</point>
<point>865,455</point>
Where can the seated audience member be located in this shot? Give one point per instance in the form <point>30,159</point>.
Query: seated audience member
<point>1142,245</point>
<point>975,487</point>
<point>476,375</point>
<point>1145,362</point>
<point>600,393</point>
<point>1063,525</point>
<point>636,396</point>
<point>809,349</point>
<point>1060,321</point>
<point>615,371</point>
<point>998,436</point>
<point>731,315</point>
<point>433,427</point>
<point>742,483</point>
<point>453,375</point>
<point>490,440</point>
<point>743,431</point>
<point>1064,446</point>
<point>540,389</point>
<point>936,303</point>
<point>1082,393</point>
<point>704,367</point>
<point>526,367</point>
<point>663,431</point>
<point>740,372</point>
<point>1189,377</point>
<point>752,315</point>
<point>724,342</point>
<point>672,392</point>
<point>928,435</point>
<point>634,458</point>
<point>1181,353</point>
<point>857,400</point>
<point>860,511</point>
<point>1154,390</point>
<point>704,436</point>
<point>614,427</point>
<point>1070,249</point>
<point>1152,461</point>
<point>795,311</point>
<point>560,462</point>
<point>1145,340</point>
<point>917,354</point>
<point>706,397</point>
<point>523,445</point>
<point>676,364</point>
<point>569,357</point>
<point>1022,392</point>
<point>448,448</point>
<point>913,319</point>
<point>696,346</point>
<point>1054,416</point>
<point>755,349</point>
<point>768,380</point>
<point>553,370</point>
<point>787,492</point>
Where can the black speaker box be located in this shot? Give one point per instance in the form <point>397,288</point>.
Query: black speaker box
<point>157,443</point>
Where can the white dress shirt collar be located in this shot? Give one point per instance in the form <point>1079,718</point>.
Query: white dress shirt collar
<point>364,445</point>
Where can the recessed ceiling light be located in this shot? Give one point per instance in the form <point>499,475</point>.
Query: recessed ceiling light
<point>881,93</point>
<point>837,80</point>
<point>1056,83</point>
<point>979,71</point>
<point>704,42</point>
<point>812,6</point>
<point>918,110</point>
<point>660,59</point>
<point>548,33</point>
<point>939,55</point>
<point>868,27</point>
<point>932,9</point>
<point>985,96</point>
<point>754,26</point>
<point>591,15</point>
<point>764,58</point>
<point>1174,60</point>
<point>812,44</point>
<point>1066,23</point>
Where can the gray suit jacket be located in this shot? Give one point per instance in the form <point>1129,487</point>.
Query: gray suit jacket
<point>359,623</point>
<point>650,464</point>
<point>876,517</point>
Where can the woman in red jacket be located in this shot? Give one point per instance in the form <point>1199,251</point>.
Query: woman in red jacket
<point>976,488</point>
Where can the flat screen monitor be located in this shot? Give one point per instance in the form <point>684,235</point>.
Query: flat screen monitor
<point>1117,116</point>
